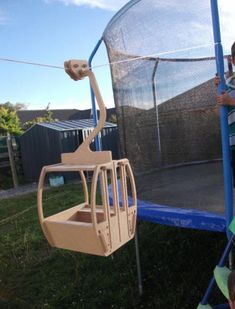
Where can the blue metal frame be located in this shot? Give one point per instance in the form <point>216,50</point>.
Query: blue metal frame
<point>228,188</point>
<point>174,216</point>
<point>221,263</point>
<point>94,110</point>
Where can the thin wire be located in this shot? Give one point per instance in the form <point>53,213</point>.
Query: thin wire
<point>155,55</point>
<point>32,63</point>
<point>15,216</point>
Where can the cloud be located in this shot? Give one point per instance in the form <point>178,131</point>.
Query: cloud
<point>3,18</point>
<point>112,5</point>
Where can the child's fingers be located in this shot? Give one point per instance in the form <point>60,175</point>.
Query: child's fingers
<point>220,100</point>
<point>223,99</point>
<point>216,80</point>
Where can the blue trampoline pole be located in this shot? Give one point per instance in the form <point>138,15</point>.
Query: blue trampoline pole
<point>228,187</point>
<point>94,110</point>
<point>98,147</point>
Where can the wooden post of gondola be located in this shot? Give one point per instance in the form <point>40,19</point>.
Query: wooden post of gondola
<point>12,161</point>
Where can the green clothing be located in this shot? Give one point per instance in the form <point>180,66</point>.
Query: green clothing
<point>231,112</point>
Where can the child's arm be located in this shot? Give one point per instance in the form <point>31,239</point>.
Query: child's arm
<point>225,99</point>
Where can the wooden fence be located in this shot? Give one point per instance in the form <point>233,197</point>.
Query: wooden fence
<point>10,156</point>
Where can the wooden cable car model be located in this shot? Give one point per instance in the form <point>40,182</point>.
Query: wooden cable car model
<point>88,227</point>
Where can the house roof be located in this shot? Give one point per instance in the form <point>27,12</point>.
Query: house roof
<point>60,114</point>
<point>70,125</point>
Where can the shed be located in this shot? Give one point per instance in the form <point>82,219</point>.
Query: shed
<point>44,142</point>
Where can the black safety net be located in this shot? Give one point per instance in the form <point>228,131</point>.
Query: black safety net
<point>162,67</point>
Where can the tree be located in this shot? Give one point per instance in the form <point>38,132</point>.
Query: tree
<point>46,118</point>
<point>9,121</point>
<point>12,106</point>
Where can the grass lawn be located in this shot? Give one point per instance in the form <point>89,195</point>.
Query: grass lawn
<point>5,179</point>
<point>177,264</point>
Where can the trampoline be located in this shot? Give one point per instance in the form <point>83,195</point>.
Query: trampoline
<point>162,56</point>
<point>189,196</point>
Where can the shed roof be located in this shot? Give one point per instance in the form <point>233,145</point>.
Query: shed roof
<point>70,125</point>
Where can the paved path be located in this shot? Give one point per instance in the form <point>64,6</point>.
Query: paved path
<point>18,191</point>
